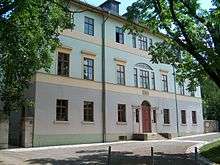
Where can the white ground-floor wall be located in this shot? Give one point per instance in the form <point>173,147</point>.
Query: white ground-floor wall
<point>48,131</point>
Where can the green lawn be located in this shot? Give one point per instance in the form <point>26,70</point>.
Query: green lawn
<point>211,151</point>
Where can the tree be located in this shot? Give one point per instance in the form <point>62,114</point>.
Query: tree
<point>185,28</point>
<point>211,100</point>
<point>29,31</point>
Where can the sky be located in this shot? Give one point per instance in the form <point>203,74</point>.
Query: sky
<point>206,4</point>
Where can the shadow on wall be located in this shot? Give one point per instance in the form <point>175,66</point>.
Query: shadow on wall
<point>99,157</point>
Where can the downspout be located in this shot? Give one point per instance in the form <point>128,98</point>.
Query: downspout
<point>103,82</point>
<point>177,111</point>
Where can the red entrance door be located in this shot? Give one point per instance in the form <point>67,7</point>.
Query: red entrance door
<point>146,119</point>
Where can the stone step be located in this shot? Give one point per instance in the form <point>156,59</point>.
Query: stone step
<point>152,136</point>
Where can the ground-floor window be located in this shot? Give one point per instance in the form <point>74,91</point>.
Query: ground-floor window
<point>137,115</point>
<point>154,116</point>
<point>88,111</point>
<point>183,116</point>
<point>62,110</point>
<point>121,113</point>
<point>194,118</point>
<point>166,116</point>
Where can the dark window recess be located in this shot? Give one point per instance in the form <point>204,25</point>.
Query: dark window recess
<point>194,117</point>
<point>150,42</point>
<point>88,69</point>
<point>152,81</point>
<point>119,35</point>
<point>62,110</point>
<point>88,111</point>
<point>164,83</point>
<point>122,138</point>
<point>89,26</point>
<point>143,43</point>
<point>183,116</point>
<point>121,113</point>
<point>166,116</point>
<point>144,79</point>
<point>182,88</point>
<point>154,116</point>
<point>135,77</point>
<point>137,115</point>
<point>134,41</point>
<point>121,74</point>
<point>63,64</point>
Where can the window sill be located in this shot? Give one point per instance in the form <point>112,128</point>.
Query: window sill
<point>194,124</point>
<point>183,124</point>
<point>61,122</point>
<point>121,123</point>
<point>88,122</point>
<point>166,124</point>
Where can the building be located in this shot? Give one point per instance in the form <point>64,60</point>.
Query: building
<point>103,87</point>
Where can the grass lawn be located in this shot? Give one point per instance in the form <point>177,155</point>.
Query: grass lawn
<point>211,151</point>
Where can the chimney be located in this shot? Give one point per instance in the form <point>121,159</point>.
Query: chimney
<point>111,5</point>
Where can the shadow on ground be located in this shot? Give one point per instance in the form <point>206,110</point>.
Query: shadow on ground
<point>99,157</point>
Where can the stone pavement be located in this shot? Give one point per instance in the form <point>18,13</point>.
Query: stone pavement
<point>167,152</point>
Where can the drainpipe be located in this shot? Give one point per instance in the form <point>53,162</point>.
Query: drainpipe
<point>177,111</point>
<point>103,82</point>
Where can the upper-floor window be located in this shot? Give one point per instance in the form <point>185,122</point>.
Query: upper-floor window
<point>154,116</point>
<point>121,74</point>
<point>88,69</point>
<point>183,116</point>
<point>182,88</point>
<point>63,64</point>
<point>194,117</point>
<point>166,116</point>
<point>144,79</point>
<point>135,77</point>
<point>88,111</point>
<point>150,42</point>
<point>89,26</point>
<point>142,43</point>
<point>62,110</point>
<point>164,83</point>
<point>152,80</point>
<point>121,113</point>
<point>134,42</point>
<point>119,35</point>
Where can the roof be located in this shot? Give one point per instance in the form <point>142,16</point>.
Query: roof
<point>109,1</point>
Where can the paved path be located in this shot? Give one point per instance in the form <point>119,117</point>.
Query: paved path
<point>167,152</point>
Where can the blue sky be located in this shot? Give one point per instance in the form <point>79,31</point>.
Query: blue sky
<point>124,3</point>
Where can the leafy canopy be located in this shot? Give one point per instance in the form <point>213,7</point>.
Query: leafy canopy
<point>191,36</point>
<point>29,31</point>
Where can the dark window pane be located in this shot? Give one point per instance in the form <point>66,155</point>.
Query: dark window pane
<point>166,114</point>
<point>63,64</point>
<point>88,69</point>
<point>62,110</point>
<point>183,116</point>
<point>89,26</point>
<point>121,113</point>
<point>88,111</point>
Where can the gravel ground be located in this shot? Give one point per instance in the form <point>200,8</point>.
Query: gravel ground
<point>169,152</point>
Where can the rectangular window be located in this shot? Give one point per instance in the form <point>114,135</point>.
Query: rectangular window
<point>62,110</point>
<point>88,111</point>
<point>88,69</point>
<point>63,64</point>
<point>121,113</point>
<point>119,35</point>
<point>121,74</point>
<point>182,89</point>
<point>166,116</point>
<point>144,79</point>
<point>137,115</point>
<point>192,93</point>
<point>134,42</point>
<point>154,116</point>
<point>142,43</point>
<point>152,81</point>
<point>164,83</point>
<point>89,26</point>
<point>183,116</point>
<point>194,117</point>
<point>135,77</point>
<point>150,42</point>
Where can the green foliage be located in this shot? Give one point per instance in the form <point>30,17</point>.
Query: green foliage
<point>185,27</point>
<point>211,100</point>
<point>29,31</point>
<point>211,151</point>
